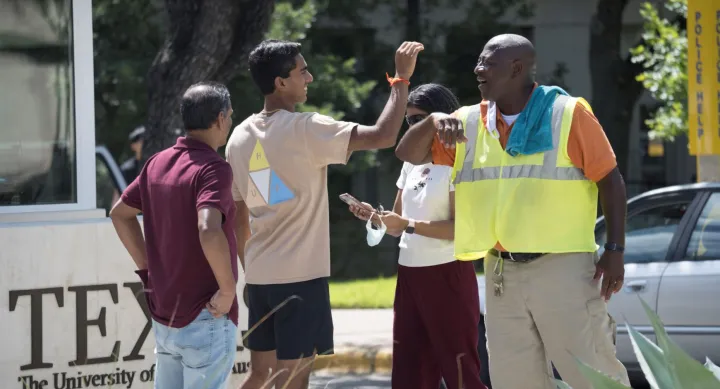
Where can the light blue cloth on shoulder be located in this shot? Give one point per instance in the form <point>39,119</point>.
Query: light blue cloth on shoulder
<point>532,131</point>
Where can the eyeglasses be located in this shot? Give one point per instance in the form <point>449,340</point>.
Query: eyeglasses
<point>414,119</point>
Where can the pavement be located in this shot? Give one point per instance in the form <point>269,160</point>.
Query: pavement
<point>363,343</point>
<point>363,352</point>
<point>324,380</point>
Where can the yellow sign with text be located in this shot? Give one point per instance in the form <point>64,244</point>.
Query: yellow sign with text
<point>703,30</point>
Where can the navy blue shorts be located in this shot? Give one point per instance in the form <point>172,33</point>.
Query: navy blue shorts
<point>295,319</point>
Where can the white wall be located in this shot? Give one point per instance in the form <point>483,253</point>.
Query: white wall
<point>66,261</point>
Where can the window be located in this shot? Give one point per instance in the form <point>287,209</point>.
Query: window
<point>648,233</point>
<point>46,136</point>
<point>705,240</point>
<point>107,188</point>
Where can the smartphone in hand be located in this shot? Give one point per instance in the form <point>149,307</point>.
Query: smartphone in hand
<point>350,200</point>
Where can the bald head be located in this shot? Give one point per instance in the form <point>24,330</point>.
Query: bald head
<point>514,48</point>
<point>511,41</point>
<point>506,65</point>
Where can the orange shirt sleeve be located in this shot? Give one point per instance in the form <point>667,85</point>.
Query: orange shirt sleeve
<point>588,146</point>
<point>442,155</point>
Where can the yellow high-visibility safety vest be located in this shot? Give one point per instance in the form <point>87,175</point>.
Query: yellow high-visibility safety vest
<point>538,203</point>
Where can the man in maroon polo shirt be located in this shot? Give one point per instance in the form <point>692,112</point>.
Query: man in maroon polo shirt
<point>188,257</point>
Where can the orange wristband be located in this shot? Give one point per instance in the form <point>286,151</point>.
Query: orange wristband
<point>395,80</point>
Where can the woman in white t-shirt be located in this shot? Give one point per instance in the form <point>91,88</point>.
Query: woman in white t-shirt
<point>436,299</point>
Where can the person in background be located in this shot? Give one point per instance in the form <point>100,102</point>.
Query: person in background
<point>437,307</point>
<point>131,167</point>
<point>187,260</point>
<point>529,163</point>
<point>279,159</point>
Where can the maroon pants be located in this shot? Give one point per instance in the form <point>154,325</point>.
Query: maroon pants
<point>437,310</point>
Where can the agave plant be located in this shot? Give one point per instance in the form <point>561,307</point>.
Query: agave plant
<point>665,365</point>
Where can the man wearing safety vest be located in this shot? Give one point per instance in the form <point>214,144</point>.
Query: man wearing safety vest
<point>529,163</point>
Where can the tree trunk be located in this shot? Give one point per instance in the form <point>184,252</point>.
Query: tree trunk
<point>615,91</point>
<point>208,40</point>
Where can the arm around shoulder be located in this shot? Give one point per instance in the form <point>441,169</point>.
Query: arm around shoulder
<point>432,140</point>
<point>415,146</point>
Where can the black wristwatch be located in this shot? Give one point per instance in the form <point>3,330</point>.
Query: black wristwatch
<point>410,229</point>
<point>614,247</point>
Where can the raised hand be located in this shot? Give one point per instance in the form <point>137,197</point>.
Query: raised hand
<point>406,58</point>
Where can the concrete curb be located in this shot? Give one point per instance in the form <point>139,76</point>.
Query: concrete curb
<point>356,361</point>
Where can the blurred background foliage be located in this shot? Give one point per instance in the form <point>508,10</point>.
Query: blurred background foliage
<point>349,63</point>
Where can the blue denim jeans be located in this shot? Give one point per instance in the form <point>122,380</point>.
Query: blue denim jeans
<point>197,356</point>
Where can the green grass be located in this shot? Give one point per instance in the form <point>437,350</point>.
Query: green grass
<point>368,293</point>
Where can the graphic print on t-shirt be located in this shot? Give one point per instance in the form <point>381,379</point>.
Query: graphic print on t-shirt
<point>423,180</point>
<point>264,185</point>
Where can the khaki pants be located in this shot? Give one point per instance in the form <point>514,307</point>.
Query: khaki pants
<point>550,310</point>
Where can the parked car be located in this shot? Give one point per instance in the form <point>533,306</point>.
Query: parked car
<point>672,261</point>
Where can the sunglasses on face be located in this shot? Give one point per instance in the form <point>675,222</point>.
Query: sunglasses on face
<point>414,119</point>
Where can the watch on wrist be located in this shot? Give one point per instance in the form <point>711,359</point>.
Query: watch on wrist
<point>614,247</point>
<point>410,229</point>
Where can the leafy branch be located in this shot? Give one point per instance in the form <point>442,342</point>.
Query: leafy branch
<point>664,57</point>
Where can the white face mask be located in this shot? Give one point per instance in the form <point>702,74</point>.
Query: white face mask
<point>374,236</point>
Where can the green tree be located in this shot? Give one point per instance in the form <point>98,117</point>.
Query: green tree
<point>664,58</point>
<point>335,91</point>
<point>204,40</point>
<point>124,51</point>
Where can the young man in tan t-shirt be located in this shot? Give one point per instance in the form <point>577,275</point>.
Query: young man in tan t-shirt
<point>279,159</point>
